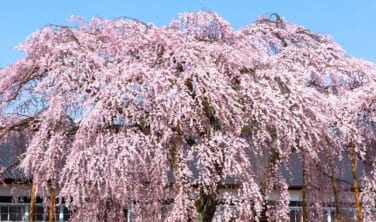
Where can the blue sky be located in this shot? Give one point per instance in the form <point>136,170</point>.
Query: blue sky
<point>351,23</point>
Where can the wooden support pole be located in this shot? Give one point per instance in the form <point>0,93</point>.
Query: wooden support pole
<point>52,203</point>
<point>32,202</point>
<point>355,182</point>
<point>335,188</point>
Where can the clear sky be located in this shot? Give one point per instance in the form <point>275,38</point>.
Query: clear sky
<point>352,23</point>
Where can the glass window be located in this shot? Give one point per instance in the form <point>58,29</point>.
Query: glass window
<point>41,214</point>
<point>4,212</point>
<point>12,213</point>
<point>16,212</point>
<point>295,214</point>
<point>349,215</point>
<point>66,214</point>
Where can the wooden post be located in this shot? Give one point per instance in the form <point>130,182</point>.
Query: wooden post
<point>52,203</point>
<point>335,189</point>
<point>355,182</point>
<point>32,202</point>
<point>334,183</point>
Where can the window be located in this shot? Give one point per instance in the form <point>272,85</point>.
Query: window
<point>66,214</point>
<point>41,214</point>
<point>4,211</point>
<point>295,214</point>
<point>12,213</point>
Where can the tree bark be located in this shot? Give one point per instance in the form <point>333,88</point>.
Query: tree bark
<point>334,183</point>
<point>205,207</point>
<point>269,173</point>
<point>174,151</point>
<point>335,189</point>
<point>52,203</point>
<point>32,202</point>
<point>355,182</point>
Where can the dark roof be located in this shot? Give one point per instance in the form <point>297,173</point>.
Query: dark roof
<point>293,171</point>
<point>9,163</point>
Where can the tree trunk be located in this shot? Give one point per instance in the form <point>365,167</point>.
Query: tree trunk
<point>52,203</point>
<point>265,190</point>
<point>334,186</point>
<point>355,182</point>
<point>304,187</point>
<point>206,206</point>
<point>334,183</point>
<point>175,157</point>
<point>32,202</point>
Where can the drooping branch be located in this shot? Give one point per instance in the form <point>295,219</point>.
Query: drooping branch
<point>65,30</point>
<point>135,20</point>
<point>132,113</point>
<point>26,123</point>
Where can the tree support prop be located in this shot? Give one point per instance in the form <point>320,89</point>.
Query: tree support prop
<point>32,202</point>
<point>355,182</point>
<point>52,204</point>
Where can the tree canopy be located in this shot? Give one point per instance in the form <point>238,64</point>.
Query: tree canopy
<point>120,114</point>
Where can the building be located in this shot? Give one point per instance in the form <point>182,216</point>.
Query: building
<point>17,208</point>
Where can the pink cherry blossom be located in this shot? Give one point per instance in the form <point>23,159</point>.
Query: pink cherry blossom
<point>125,115</point>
